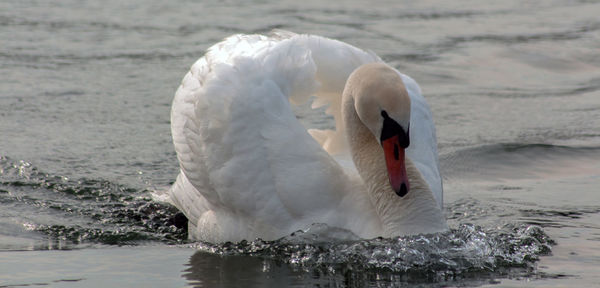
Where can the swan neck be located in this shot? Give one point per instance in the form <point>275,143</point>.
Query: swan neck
<point>398,215</point>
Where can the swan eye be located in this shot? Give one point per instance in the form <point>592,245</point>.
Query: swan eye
<point>391,128</point>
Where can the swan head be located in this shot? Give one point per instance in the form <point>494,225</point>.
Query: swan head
<point>382,104</point>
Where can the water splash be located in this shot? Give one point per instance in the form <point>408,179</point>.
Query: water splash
<point>84,211</point>
<point>459,252</point>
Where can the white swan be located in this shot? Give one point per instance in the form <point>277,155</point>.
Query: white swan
<point>250,170</point>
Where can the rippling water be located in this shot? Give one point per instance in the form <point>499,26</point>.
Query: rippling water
<point>85,94</point>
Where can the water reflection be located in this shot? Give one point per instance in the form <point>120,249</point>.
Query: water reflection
<point>211,270</point>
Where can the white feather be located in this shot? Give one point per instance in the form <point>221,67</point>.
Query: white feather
<point>248,167</point>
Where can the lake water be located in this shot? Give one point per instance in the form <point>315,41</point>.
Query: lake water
<point>85,94</point>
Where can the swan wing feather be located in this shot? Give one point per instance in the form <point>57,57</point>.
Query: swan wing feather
<point>245,156</point>
<point>238,141</point>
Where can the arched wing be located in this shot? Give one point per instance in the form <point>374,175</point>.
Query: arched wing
<point>240,147</point>
<point>423,147</point>
<point>237,139</point>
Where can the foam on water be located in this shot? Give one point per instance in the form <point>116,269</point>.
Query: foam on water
<point>459,252</point>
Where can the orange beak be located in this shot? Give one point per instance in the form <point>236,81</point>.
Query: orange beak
<point>394,159</point>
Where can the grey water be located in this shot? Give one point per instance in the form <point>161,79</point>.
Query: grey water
<point>85,94</point>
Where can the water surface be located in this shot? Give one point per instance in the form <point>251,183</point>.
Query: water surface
<point>85,94</point>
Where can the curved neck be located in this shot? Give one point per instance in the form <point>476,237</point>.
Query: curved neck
<point>417,212</point>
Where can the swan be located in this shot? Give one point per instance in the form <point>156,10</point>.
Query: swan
<point>249,169</point>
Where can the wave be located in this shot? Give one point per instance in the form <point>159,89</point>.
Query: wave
<point>84,211</point>
<point>517,161</point>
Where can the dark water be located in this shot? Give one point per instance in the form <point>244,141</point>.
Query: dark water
<point>85,94</point>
